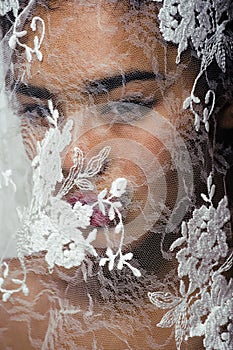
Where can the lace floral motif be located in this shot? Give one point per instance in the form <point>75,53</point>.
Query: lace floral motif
<point>8,5</point>
<point>65,231</point>
<point>14,39</point>
<point>51,224</point>
<point>13,5</point>
<point>204,24</point>
<point>205,305</point>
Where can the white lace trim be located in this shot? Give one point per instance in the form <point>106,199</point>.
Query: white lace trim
<point>204,304</point>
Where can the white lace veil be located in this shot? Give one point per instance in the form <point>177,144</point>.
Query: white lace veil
<point>116,182</point>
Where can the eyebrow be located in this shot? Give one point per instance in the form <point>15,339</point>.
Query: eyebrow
<point>32,91</point>
<point>95,87</point>
<point>108,84</point>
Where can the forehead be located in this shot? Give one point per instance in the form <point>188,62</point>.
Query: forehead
<point>89,40</point>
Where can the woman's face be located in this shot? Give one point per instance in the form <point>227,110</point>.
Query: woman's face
<point>105,67</point>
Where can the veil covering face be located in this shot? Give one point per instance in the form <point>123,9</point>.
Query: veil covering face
<point>116,172</point>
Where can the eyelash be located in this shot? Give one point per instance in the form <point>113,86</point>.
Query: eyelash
<point>128,109</point>
<point>126,105</point>
<point>41,111</point>
<point>144,102</point>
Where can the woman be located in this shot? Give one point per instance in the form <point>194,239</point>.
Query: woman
<point>121,176</point>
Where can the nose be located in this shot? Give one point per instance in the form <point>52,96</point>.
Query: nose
<point>90,146</point>
<point>134,154</point>
<point>93,145</point>
<point>91,134</point>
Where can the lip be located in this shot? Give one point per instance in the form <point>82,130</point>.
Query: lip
<point>98,219</point>
<point>84,198</point>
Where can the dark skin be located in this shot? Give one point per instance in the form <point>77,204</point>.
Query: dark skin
<point>85,64</point>
<point>122,74</point>
<point>109,336</point>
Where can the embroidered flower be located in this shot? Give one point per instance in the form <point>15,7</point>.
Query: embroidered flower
<point>118,187</point>
<point>83,213</point>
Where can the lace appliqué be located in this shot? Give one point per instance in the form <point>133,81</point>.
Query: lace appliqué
<point>204,305</point>
<point>203,23</point>
<point>8,5</point>
<point>53,225</point>
<point>14,39</point>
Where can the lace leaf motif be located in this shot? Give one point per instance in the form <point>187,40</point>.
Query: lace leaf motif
<point>202,23</point>
<point>53,225</point>
<point>205,305</point>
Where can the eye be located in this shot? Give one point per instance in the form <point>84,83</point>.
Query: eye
<point>128,109</point>
<point>36,114</point>
<point>148,102</point>
<point>35,111</point>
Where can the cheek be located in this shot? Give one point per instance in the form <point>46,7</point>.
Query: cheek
<point>138,153</point>
<point>133,150</point>
<point>135,155</point>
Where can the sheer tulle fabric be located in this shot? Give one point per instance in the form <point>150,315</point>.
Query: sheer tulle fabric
<point>115,175</point>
